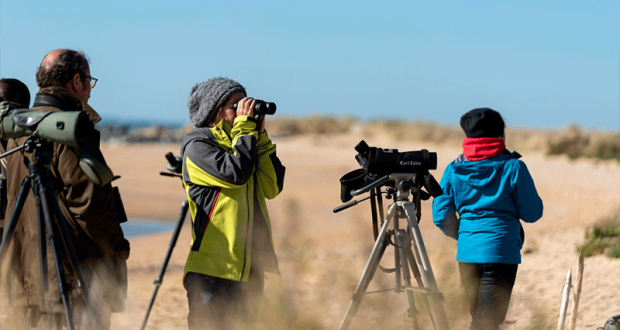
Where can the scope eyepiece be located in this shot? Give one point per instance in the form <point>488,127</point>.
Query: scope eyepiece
<point>175,164</point>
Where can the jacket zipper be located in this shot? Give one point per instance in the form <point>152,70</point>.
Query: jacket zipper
<point>217,196</point>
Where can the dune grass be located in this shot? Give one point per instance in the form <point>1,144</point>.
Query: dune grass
<point>576,143</point>
<point>571,141</point>
<point>603,238</point>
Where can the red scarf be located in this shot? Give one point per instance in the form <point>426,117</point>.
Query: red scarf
<point>482,148</point>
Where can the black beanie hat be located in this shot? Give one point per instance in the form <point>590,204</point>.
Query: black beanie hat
<point>206,98</point>
<point>482,122</point>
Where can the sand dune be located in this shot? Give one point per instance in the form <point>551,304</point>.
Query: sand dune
<point>322,254</point>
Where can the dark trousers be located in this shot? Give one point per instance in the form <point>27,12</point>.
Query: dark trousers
<point>217,303</point>
<point>488,288</point>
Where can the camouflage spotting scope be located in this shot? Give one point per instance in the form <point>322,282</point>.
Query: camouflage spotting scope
<point>70,128</point>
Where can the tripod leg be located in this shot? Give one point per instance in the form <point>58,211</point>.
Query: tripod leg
<point>160,278</point>
<point>17,210</point>
<point>60,271</point>
<point>403,244</point>
<point>89,305</point>
<point>42,241</point>
<point>416,274</point>
<point>371,267</point>
<point>68,243</point>
<point>435,297</point>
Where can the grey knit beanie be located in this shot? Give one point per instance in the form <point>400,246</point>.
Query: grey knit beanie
<point>206,98</point>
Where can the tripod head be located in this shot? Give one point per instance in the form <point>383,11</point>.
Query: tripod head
<point>175,165</point>
<point>402,185</point>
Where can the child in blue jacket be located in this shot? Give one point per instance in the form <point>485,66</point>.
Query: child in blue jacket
<point>490,189</point>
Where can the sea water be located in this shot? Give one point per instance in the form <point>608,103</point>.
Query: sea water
<point>141,227</point>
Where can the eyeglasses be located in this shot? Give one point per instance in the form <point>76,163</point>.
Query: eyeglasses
<point>93,81</point>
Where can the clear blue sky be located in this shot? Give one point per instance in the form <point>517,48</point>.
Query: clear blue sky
<point>542,64</point>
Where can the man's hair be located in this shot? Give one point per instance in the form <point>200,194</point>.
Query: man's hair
<point>15,91</point>
<point>61,71</point>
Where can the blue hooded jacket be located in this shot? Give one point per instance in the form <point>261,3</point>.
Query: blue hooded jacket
<point>490,196</point>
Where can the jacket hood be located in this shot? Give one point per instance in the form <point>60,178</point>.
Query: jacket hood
<point>220,131</point>
<point>480,174</point>
<point>194,134</point>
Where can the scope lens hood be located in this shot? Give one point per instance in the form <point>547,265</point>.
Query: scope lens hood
<point>82,128</point>
<point>351,181</point>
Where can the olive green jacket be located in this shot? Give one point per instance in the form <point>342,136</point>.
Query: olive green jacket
<point>228,173</point>
<point>91,214</point>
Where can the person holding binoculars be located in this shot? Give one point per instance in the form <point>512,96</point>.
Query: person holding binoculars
<point>229,168</point>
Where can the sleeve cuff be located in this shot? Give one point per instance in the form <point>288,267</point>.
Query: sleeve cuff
<point>245,118</point>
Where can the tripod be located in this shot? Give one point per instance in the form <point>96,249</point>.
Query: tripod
<point>51,224</point>
<point>410,253</point>
<point>174,165</point>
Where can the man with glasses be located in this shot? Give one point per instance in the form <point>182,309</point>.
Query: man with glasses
<point>92,213</point>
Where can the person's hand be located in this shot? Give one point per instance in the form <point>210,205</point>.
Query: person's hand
<point>245,107</point>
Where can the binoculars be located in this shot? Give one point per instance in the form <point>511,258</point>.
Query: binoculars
<point>262,108</point>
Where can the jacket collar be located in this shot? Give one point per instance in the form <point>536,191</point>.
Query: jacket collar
<point>70,99</point>
<point>482,148</point>
<point>222,130</point>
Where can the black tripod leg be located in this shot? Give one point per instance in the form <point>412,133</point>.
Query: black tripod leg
<point>55,245</point>
<point>67,241</point>
<point>17,210</point>
<point>74,262</point>
<point>42,241</point>
<point>160,278</point>
<point>371,267</point>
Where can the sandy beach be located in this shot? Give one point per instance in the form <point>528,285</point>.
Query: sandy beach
<point>322,254</point>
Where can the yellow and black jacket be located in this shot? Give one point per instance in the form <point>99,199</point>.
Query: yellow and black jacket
<point>227,174</point>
